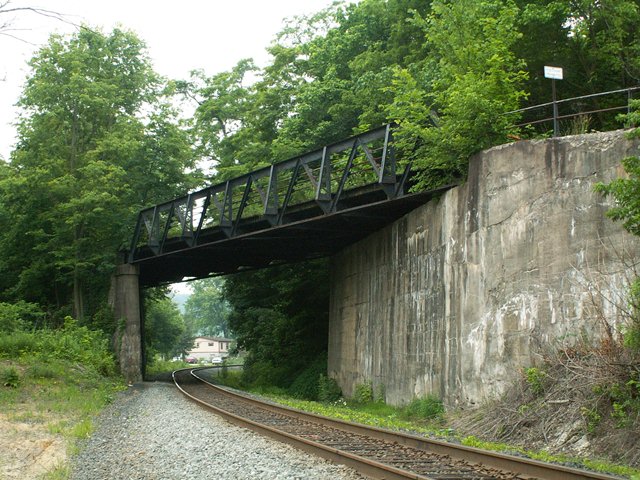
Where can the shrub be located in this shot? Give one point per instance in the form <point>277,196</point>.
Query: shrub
<point>10,377</point>
<point>15,317</point>
<point>328,389</point>
<point>305,385</point>
<point>429,407</point>
<point>632,331</point>
<point>17,344</point>
<point>46,370</point>
<point>76,344</point>
<point>535,378</point>
<point>364,392</point>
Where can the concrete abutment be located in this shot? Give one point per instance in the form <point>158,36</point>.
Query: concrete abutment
<point>464,292</point>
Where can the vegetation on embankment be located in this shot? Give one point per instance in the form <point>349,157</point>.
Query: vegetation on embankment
<point>52,384</point>
<point>426,416</point>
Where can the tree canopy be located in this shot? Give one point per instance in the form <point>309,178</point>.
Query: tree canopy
<point>99,138</point>
<point>97,141</point>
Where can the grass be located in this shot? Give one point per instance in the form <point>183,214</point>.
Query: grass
<point>60,396</point>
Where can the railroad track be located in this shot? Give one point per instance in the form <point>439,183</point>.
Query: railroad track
<point>374,452</point>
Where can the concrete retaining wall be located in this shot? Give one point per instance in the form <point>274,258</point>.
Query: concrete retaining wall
<point>458,296</point>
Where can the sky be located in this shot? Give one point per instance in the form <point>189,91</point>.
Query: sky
<point>212,35</point>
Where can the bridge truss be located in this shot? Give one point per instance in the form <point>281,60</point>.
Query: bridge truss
<point>306,207</point>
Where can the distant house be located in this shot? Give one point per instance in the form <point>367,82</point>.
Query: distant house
<point>209,349</point>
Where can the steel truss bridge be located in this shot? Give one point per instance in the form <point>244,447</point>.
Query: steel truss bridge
<point>306,207</point>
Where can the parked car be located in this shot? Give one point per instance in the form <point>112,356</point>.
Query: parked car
<point>191,360</point>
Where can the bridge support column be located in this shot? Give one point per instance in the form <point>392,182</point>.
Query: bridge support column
<point>126,309</point>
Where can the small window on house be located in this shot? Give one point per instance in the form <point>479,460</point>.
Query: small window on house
<point>211,344</point>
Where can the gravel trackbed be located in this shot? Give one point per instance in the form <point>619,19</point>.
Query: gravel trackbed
<point>153,432</point>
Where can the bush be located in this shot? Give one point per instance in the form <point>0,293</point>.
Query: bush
<point>328,389</point>
<point>535,378</point>
<point>305,385</point>
<point>17,344</point>
<point>46,370</point>
<point>632,330</point>
<point>76,344</point>
<point>15,317</point>
<point>364,392</point>
<point>10,377</point>
<point>427,408</point>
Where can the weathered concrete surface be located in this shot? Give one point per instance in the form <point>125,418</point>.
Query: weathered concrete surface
<point>458,296</point>
<point>125,301</point>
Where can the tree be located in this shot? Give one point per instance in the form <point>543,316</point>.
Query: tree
<point>164,327</point>
<point>96,142</point>
<point>206,310</point>
<point>626,194</point>
<point>280,316</point>
<point>453,106</point>
<point>596,43</point>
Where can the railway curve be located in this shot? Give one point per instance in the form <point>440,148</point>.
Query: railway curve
<point>374,452</point>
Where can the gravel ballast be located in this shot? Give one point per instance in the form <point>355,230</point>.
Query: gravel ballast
<point>153,432</point>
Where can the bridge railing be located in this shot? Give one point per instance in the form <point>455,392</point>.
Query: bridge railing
<point>321,179</point>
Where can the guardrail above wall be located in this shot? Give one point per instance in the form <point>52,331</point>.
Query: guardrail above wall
<point>603,106</point>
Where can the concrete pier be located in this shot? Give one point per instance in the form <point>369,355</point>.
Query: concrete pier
<point>126,310</point>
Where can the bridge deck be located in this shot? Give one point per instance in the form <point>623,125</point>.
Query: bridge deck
<point>300,240</point>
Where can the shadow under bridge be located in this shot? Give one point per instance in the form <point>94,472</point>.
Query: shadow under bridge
<point>306,207</point>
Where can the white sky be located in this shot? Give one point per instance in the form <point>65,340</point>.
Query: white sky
<point>181,36</point>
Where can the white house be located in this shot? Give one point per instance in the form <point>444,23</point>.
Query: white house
<point>210,349</point>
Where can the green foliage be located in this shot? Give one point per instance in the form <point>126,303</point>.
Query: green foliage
<point>88,348</point>
<point>49,370</point>
<point>206,311</point>
<point>453,105</point>
<point>15,317</point>
<point>626,195</point>
<point>535,378</point>
<point>625,402</point>
<point>592,418</point>
<point>164,328</point>
<point>379,393</point>
<point>280,316</point>
<point>427,408</point>
<point>632,331</point>
<point>306,384</point>
<point>96,141</point>
<point>10,377</point>
<point>363,392</point>
<point>328,389</point>
<point>17,344</point>
<point>159,366</point>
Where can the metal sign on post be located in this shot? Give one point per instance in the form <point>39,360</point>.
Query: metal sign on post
<point>554,73</point>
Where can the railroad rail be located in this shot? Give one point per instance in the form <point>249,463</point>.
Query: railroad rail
<point>374,452</point>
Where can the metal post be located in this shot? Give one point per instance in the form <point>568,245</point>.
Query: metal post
<point>555,108</point>
<point>554,73</point>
